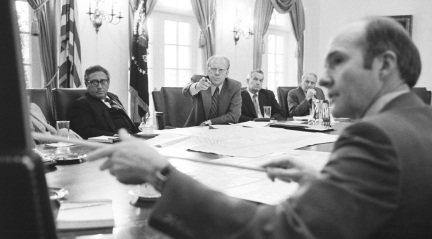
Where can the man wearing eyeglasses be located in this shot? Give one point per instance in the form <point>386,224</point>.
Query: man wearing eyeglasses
<point>99,112</point>
<point>216,98</point>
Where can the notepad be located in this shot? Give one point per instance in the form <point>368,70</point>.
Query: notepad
<point>104,139</point>
<point>85,215</point>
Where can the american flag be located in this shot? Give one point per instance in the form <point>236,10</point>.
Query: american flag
<point>70,49</point>
<point>138,64</point>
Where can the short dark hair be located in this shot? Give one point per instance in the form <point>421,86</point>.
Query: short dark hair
<point>384,33</point>
<point>93,69</point>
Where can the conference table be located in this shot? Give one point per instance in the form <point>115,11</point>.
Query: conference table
<point>84,181</point>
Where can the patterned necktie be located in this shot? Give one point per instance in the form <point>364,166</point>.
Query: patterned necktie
<point>257,109</point>
<point>114,104</point>
<point>214,104</point>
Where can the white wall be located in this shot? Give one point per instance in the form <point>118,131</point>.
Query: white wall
<point>108,48</point>
<point>336,13</point>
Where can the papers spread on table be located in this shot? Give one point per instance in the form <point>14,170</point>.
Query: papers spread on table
<point>85,215</point>
<point>104,139</point>
<point>247,184</point>
<point>237,141</point>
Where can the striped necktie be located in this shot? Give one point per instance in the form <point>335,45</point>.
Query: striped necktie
<point>214,104</point>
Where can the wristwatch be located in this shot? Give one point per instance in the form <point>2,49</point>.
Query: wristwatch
<point>162,178</point>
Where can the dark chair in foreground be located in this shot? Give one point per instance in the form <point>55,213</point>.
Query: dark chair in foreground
<point>40,97</point>
<point>63,99</point>
<point>174,106</point>
<point>282,93</point>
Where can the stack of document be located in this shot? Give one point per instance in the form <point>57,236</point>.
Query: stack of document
<point>104,139</point>
<point>85,215</point>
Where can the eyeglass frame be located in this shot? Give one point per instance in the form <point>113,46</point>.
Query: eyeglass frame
<point>101,82</point>
<point>219,71</point>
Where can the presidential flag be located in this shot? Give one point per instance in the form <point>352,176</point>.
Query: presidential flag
<point>138,65</point>
<point>70,49</point>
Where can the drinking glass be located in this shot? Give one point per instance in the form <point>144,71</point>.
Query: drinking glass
<point>63,130</point>
<point>267,111</point>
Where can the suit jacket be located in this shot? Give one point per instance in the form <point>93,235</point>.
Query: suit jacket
<point>89,117</point>
<point>297,103</point>
<point>265,98</point>
<point>377,184</point>
<point>229,105</point>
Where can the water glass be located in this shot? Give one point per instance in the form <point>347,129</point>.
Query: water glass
<point>63,129</point>
<point>267,111</point>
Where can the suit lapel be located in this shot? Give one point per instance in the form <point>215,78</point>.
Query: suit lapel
<point>249,103</point>
<point>224,98</point>
<point>262,101</point>
<point>103,110</point>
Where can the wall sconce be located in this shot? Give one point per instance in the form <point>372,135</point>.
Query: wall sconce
<point>100,15</point>
<point>239,25</point>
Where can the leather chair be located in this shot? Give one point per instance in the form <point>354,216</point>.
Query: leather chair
<point>282,92</point>
<point>63,99</point>
<point>40,97</point>
<point>176,107</point>
<point>159,108</point>
<point>422,93</point>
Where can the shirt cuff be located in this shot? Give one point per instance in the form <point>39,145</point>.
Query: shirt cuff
<point>192,89</point>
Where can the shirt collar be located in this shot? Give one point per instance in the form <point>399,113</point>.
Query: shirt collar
<point>213,88</point>
<point>251,94</point>
<point>382,101</point>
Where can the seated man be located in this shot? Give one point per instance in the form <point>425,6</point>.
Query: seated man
<point>300,99</point>
<point>38,123</point>
<point>377,183</point>
<point>254,98</point>
<point>99,112</point>
<point>216,98</point>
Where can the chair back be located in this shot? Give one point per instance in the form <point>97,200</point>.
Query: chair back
<point>177,107</point>
<point>421,92</point>
<point>63,99</point>
<point>282,92</point>
<point>159,108</point>
<point>428,97</point>
<point>40,97</point>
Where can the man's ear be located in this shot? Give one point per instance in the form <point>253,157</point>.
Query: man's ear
<point>389,63</point>
<point>247,81</point>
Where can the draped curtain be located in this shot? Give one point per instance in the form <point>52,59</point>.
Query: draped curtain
<point>45,12</point>
<point>297,15</point>
<point>262,14</point>
<point>205,13</point>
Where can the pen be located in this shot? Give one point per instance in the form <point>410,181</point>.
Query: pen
<point>82,206</point>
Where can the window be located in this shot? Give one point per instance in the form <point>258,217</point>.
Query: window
<point>173,46</point>
<point>24,23</point>
<point>279,61</point>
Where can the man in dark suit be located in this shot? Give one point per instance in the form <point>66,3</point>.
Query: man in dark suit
<point>300,99</point>
<point>99,112</point>
<point>377,183</point>
<point>254,98</point>
<point>215,98</point>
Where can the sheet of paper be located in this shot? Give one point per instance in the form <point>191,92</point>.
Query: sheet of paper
<point>247,184</point>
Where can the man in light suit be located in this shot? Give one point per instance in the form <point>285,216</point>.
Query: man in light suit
<point>99,112</point>
<point>300,99</point>
<point>215,98</point>
<point>377,183</point>
<point>254,98</point>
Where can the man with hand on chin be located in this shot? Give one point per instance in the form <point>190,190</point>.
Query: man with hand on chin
<point>216,98</point>
<point>300,99</point>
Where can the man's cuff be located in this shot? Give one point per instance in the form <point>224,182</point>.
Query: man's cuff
<point>192,89</point>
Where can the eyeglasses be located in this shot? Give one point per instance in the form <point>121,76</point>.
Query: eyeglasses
<point>214,70</point>
<point>96,82</point>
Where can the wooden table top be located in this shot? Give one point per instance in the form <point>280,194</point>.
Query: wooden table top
<point>85,181</point>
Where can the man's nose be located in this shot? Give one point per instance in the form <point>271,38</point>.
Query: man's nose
<point>326,81</point>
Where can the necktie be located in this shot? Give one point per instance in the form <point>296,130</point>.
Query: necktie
<point>214,104</point>
<point>114,104</point>
<point>257,108</point>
